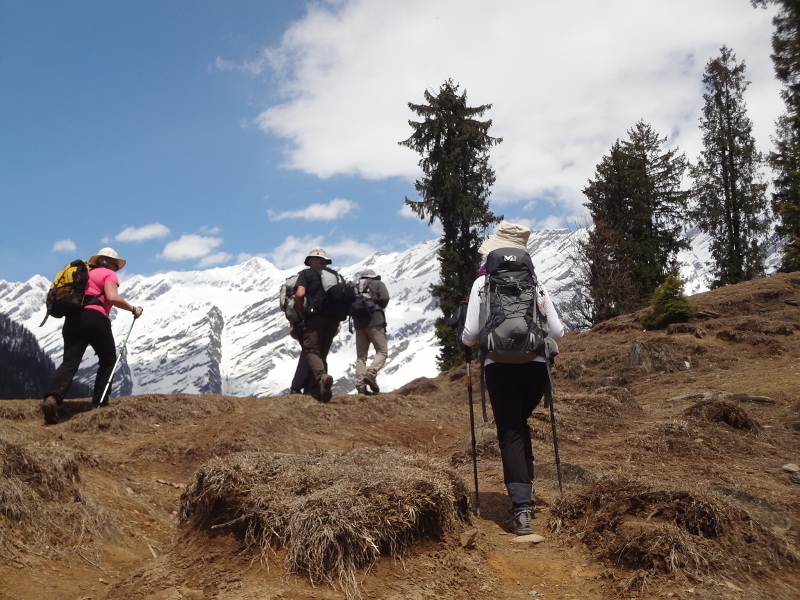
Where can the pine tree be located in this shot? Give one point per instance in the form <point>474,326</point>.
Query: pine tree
<point>730,198</point>
<point>454,191</point>
<point>669,304</point>
<point>786,195</point>
<point>637,207</point>
<point>785,159</point>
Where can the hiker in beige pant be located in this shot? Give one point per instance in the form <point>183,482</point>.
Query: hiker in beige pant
<point>370,328</point>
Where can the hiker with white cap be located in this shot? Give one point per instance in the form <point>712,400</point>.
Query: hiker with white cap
<point>517,386</point>
<point>369,321</point>
<point>319,327</point>
<point>90,326</point>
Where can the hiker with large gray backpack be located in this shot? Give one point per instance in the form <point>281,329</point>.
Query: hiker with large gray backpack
<point>322,300</point>
<point>369,320</point>
<point>511,316</point>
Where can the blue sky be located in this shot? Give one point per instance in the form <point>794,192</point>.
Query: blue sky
<point>191,134</point>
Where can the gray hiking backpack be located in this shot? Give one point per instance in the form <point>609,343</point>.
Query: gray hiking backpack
<point>288,289</point>
<point>513,330</point>
<point>364,306</point>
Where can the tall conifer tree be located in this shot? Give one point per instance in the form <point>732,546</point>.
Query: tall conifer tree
<point>730,198</point>
<point>454,191</point>
<point>637,207</point>
<point>785,159</point>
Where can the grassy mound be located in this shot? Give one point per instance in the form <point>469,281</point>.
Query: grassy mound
<point>333,513</point>
<point>690,533</point>
<point>43,510</point>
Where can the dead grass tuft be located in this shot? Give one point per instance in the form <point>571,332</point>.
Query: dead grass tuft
<point>721,411</point>
<point>333,513</point>
<point>666,437</point>
<point>139,413</point>
<point>43,510</point>
<point>485,444</point>
<point>677,532</point>
<point>422,386</point>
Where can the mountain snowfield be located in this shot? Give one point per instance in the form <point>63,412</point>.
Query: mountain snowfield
<point>222,331</point>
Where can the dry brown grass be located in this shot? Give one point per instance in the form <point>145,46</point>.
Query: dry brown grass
<point>333,513</point>
<point>144,411</point>
<point>687,533</point>
<point>721,411</point>
<point>43,510</point>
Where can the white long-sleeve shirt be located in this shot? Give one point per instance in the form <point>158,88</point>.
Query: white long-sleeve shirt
<point>472,326</point>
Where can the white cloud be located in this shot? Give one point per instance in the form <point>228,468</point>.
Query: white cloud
<point>189,247</point>
<point>140,234</point>
<point>336,208</point>
<point>211,260</point>
<point>254,67</point>
<point>346,251</point>
<point>406,212</point>
<point>64,246</point>
<point>566,79</point>
<point>293,251</point>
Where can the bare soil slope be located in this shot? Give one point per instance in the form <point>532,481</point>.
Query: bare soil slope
<point>676,450</point>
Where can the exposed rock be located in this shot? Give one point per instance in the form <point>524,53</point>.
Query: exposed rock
<point>721,395</point>
<point>751,398</point>
<point>639,356</point>
<point>690,328</point>
<point>531,538</point>
<point>468,538</point>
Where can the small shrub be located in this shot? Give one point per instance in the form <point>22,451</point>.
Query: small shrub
<point>669,305</point>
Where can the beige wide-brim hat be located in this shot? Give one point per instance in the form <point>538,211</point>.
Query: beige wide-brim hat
<point>109,253</point>
<point>508,235</point>
<point>318,253</point>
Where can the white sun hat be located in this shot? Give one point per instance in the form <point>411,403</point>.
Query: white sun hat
<point>508,235</point>
<point>108,253</point>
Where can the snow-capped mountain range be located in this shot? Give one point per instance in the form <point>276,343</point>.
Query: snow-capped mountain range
<point>222,331</point>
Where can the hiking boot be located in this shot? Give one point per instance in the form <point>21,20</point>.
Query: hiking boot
<point>50,410</point>
<point>325,385</point>
<point>361,389</point>
<point>518,523</point>
<point>369,380</point>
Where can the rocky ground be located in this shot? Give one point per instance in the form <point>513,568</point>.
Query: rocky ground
<point>677,450</point>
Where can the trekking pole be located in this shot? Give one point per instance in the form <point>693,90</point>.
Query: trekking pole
<point>116,362</point>
<point>549,401</point>
<point>468,353</point>
<point>457,323</point>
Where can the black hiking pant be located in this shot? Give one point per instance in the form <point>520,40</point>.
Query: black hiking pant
<point>514,391</point>
<point>92,328</point>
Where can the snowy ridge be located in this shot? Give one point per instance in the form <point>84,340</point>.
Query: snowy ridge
<point>221,330</point>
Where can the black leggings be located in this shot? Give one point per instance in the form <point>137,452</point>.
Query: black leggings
<point>88,328</point>
<point>514,391</point>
